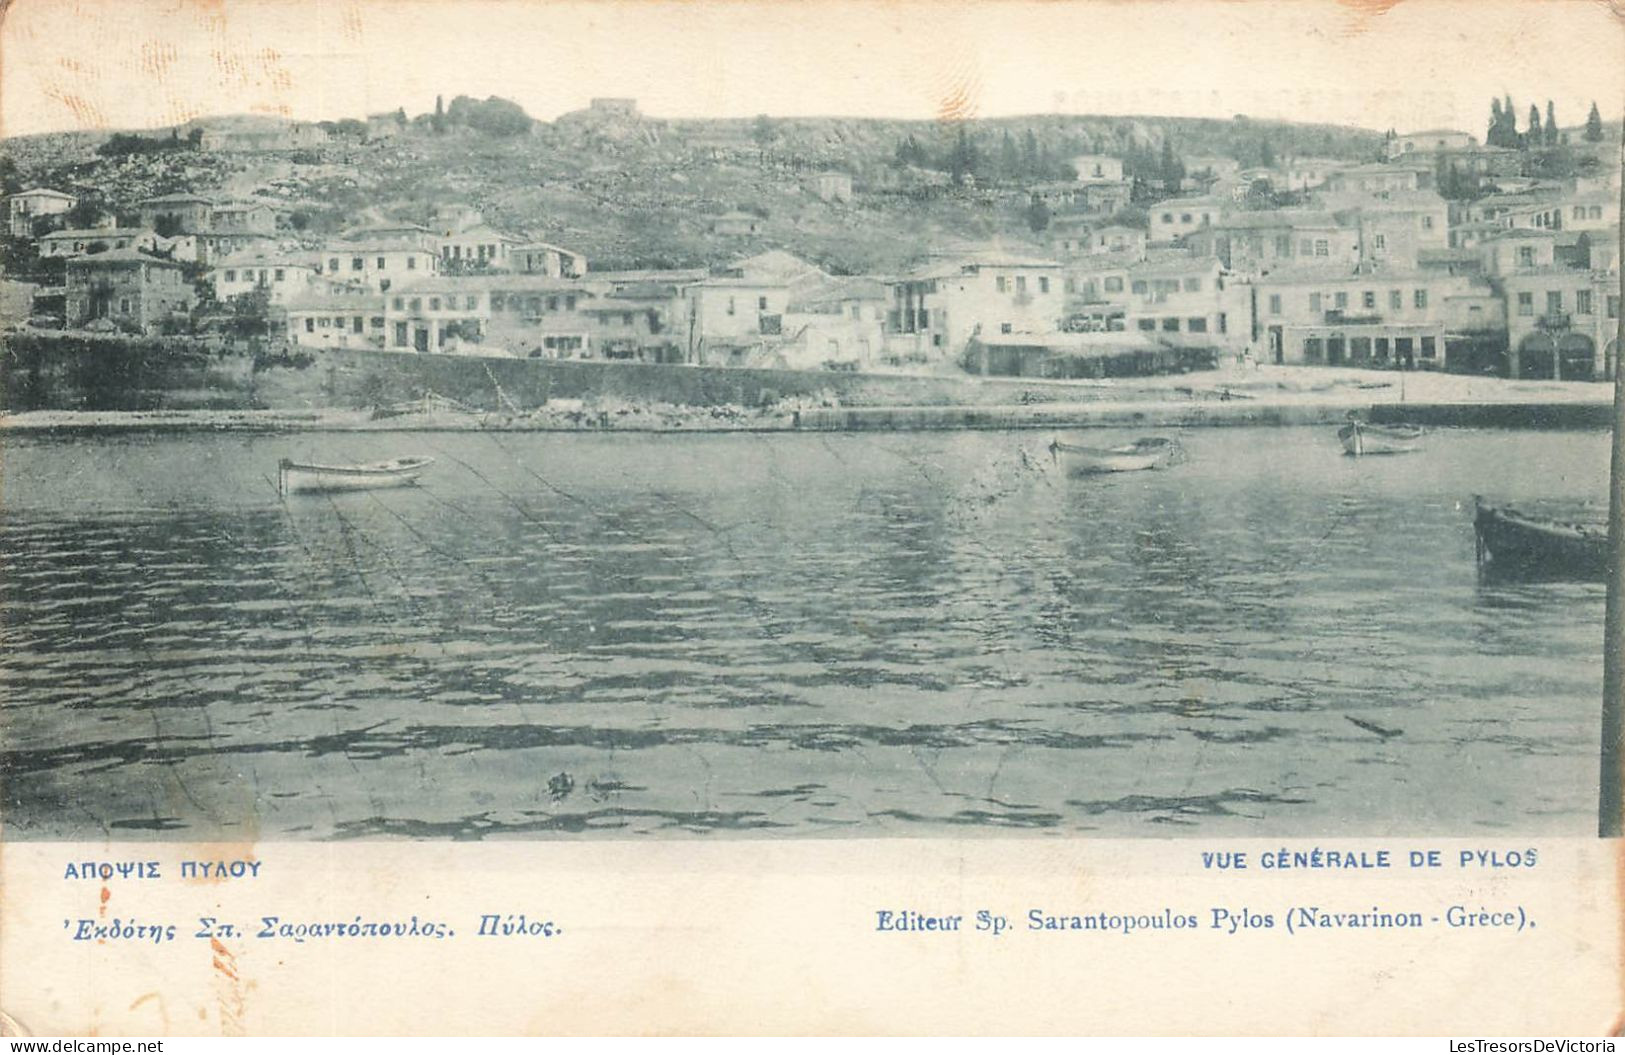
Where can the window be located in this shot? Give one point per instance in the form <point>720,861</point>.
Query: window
<point>761,303</point>
<point>1171,325</point>
<point>1428,348</point>
<point>553,304</point>
<point>1004,327</point>
<point>1114,284</point>
<point>1526,256</point>
<point>356,263</point>
<point>1167,217</point>
<point>1283,245</point>
<point>1613,307</point>
<point>1582,302</point>
<point>534,305</point>
<point>1139,285</point>
<point>376,322</point>
<point>434,303</point>
<point>1420,298</point>
<point>626,318</point>
<point>1396,300</point>
<point>1193,285</point>
<point>1196,325</point>
<point>570,302</point>
<point>1526,304</point>
<point>400,303</point>
<point>1021,283</point>
<point>470,302</point>
<point>1427,223</point>
<point>383,285</point>
<point>417,303</point>
<point>280,276</point>
<point>411,263</point>
<point>1306,247</point>
<point>326,322</point>
<point>1368,299</point>
<point>231,276</point>
<point>357,325</point>
<point>1380,241</point>
<point>1596,212</point>
<point>1312,349</point>
<point>400,335</point>
<point>1184,217</point>
<point>333,264</point>
<point>1554,302</point>
<point>310,325</point>
<point>1147,324</point>
<point>1043,283</point>
<point>730,305</point>
<point>999,284</point>
<point>1275,304</point>
<point>1322,247</point>
<point>1314,303</point>
<point>1342,299</point>
<point>1579,212</point>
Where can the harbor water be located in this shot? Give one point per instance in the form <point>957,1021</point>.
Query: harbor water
<point>567,635</point>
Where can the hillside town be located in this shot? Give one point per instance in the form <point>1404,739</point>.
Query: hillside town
<point>1439,252</point>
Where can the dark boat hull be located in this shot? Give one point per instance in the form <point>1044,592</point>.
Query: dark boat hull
<point>1514,543</point>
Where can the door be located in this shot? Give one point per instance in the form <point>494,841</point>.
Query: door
<point>1277,345</point>
<point>420,338</point>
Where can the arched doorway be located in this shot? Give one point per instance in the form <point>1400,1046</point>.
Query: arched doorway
<point>1537,357</point>
<point>1577,356</point>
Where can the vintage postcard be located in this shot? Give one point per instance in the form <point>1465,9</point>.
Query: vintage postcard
<point>570,517</point>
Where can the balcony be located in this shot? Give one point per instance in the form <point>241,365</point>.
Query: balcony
<point>1555,320</point>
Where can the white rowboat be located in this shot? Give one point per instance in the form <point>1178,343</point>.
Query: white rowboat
<point>1359,438</point>
<point>1150,453</point>
<point>304,477</point>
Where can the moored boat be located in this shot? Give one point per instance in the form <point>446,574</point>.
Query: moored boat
<point>306,477</point>
<point>1514,542</point>
<point>1152,452</point>
<point>1359,438</point>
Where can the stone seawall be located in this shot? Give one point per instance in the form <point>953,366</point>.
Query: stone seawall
<point>353,378</point>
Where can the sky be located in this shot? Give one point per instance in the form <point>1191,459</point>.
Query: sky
<point>1406,64</point>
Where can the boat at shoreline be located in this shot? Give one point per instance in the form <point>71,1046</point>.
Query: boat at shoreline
<point>1359,438</point>
<point>1516,543</point>
<point>310,478</point>
<point>1152,452</point>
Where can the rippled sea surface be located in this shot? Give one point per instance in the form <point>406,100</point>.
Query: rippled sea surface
<point>790,635</point>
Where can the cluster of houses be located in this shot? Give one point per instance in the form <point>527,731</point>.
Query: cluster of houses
<point>1374,267</point>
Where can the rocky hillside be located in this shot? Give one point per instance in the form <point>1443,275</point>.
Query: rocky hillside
<point>630,191</point>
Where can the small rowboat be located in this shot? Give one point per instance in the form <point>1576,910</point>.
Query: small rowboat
<point>1150,453</point>
<point>1358,438</point>
<point>1513,542</point>
<point>304,477</point>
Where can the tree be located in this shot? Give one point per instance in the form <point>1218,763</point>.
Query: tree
<point>1009,157</point>
<point>85,214</point>
<point>1551,124</point>
<point>1030,166</point>
<point>11,182</point>
<point>962,158</point>
<point>1170,169</point>
<point>1593,133</point>
<point>763,132</point>
<point>438,121</point>
<point>1266,153</point>
<point>1037,216</point>
<point>1534,138</point>
<point>1492,135</point>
